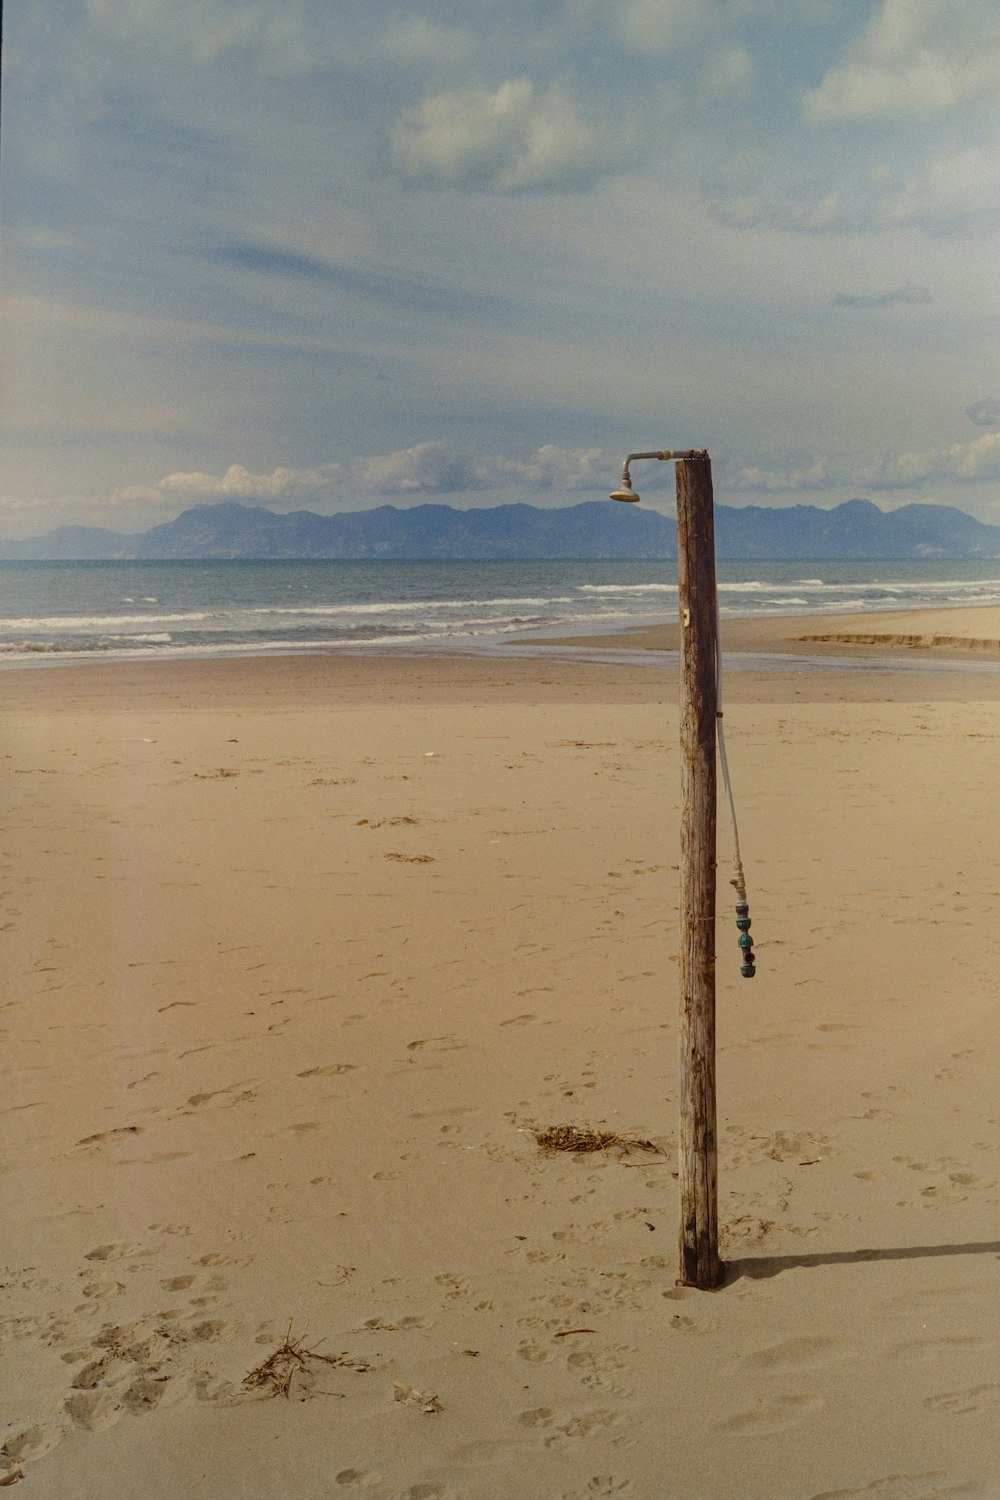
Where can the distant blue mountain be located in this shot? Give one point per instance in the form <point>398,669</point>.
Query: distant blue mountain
<point>595,529</point>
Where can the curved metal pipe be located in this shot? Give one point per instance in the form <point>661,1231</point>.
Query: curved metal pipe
<point>626,491</point>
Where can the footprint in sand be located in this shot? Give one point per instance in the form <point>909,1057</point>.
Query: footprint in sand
<point>94,1410</point>
<point>107,1135</point>
<point>33,1442</point>
<point>777,1414</point>
<point>565,1426</point>
<point>614,1357</point>
<point>328,1072</point>
<point>535,1354</point>
<point>98,1291</point>
<point>961,1403</point>
<point>149,1390</point>
<point>931,1486</point>
<point>98,1373</point>
<point>449,1043</point>
<point>682,1324</point>
<point>404,1325</point>
<point>116,1252</point>
<point>600,1484</point>
<point>794,1354</point>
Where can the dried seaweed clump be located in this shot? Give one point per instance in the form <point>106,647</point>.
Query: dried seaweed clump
<point>274,1375</point>
<point>575,1138</point>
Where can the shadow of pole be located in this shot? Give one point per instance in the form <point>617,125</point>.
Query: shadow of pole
<point>760,1267</point>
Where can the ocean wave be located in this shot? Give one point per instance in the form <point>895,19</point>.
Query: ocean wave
<point>758,586</point>
<point>100,622</point>
<point>405,606</point>
<point>627,588</point>
<point>92,647</point>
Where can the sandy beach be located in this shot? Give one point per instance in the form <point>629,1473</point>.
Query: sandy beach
<point>301,952</point>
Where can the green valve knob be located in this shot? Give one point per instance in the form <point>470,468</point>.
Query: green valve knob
<point>745,940</point>
<point>747,970</point>
<point>743,923</point>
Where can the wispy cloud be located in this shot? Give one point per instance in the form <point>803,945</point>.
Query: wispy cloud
<point>909,294</point>
<point>646,27</point>
<point>985,413</point>
<point>416,41</point>
<point>401,292</point>
<point>952,192</point>
<point>279,39</point>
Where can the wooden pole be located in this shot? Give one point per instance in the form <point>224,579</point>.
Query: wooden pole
<point>697,1169</point>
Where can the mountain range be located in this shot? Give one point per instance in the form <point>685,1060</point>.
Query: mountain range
<point>593,529</point>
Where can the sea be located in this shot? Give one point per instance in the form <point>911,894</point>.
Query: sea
<point>84,611</point>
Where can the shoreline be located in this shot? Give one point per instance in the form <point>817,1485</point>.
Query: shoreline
<point>791,658</point>
<point>959,632</point>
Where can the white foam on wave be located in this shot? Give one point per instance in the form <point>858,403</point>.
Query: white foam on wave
<point>406,606</point>
<point>758,586</point>
<point>627,588</point>
<point>99,622</point>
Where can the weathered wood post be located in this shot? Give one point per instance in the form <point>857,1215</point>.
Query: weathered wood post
<point>700,1265</point>
<point>697,1145</point>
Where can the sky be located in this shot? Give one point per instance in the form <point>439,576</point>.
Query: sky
<point>332,254</point>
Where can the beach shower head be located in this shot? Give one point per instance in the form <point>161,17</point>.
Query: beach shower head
<point>626,492</point>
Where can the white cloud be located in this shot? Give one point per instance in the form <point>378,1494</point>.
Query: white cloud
<point>915,59</point>
<point>513,139</point>
<point>427,468</point>
<point>814,475</point>
<point>435,468</point>
<point>977,462</point>
<point>566,469</point>
<point>238,483</point>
